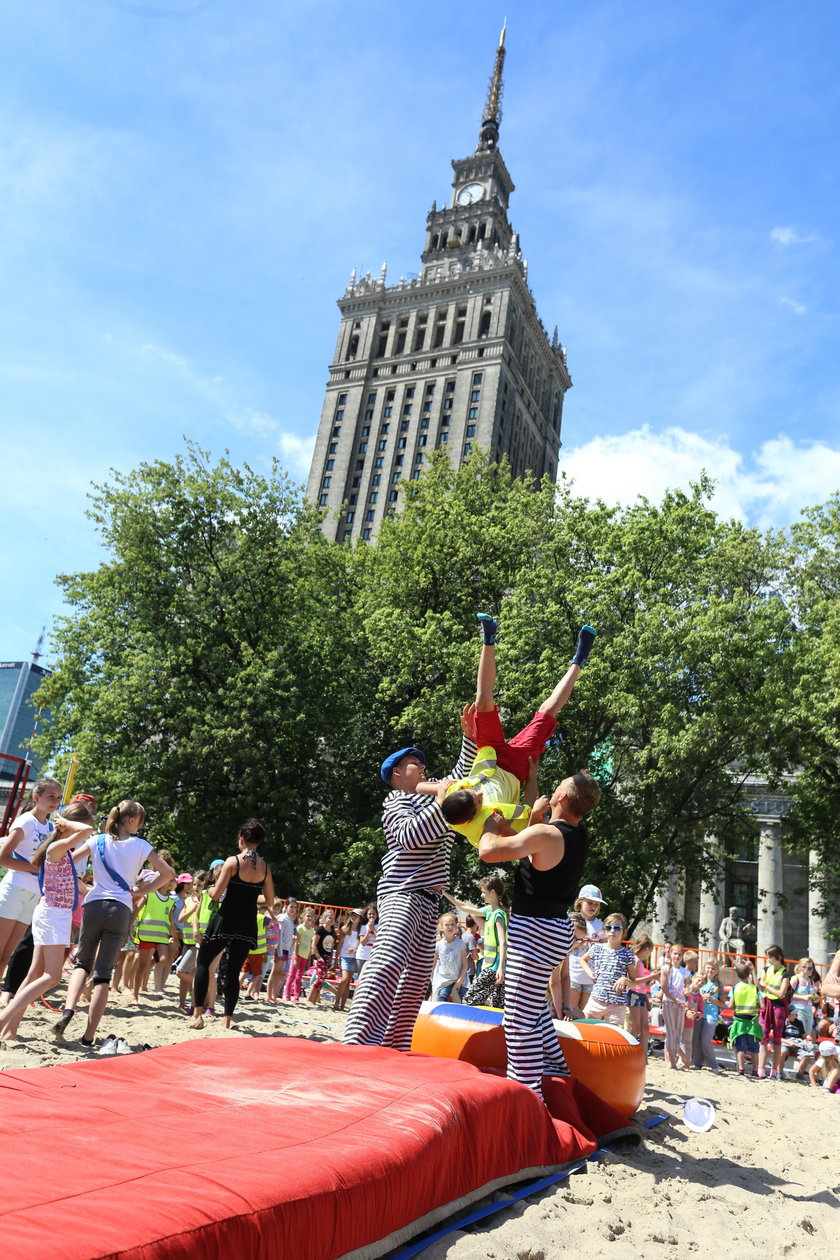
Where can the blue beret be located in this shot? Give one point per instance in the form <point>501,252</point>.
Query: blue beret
<point>388,764</point>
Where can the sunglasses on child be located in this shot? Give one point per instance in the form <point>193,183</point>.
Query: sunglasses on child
<point>613,927</point>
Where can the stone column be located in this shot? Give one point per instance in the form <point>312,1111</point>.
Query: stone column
<point>770,885</point>
<point>819,947</point>
<point>665,908</point>
<point>711,912</point>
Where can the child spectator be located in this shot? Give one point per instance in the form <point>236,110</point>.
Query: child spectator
<point>450,962</point>
<point>745,1033</point>
<point>323,950</point>
<point>612,968</point>
<point>367,938</point>
<point>286,923</point>
<point>672,977</point>
<point>639,994</point>
<point>805,992</point>
<point>254,965</point>
<point>588,903</point>
<point>348,943</point>
<point>570,974</point>
<point>773,988</point>
<point>710,990</point>
<point>304,933</point>
<point>826,1068</point>
<point>489,986</point>
<point>470,938</point>
<point>793,1040</point>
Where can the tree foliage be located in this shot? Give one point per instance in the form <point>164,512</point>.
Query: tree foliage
<point>227,660</point>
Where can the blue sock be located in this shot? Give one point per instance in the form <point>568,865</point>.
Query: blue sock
<point>584,645</point>
<point>489,628</point>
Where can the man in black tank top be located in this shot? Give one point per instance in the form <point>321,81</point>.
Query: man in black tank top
<point>552,856</point>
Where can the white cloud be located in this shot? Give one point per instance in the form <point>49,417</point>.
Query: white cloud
<point>787,236</point>
<point>769,487</point>
<point>797,307</point>
<point>297,452</point>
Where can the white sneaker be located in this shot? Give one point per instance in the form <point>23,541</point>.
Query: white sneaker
<point>109,1046</point>
<point>123,1047</point>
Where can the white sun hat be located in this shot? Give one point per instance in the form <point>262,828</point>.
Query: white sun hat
<point>698,1114</point>
<point>590,893</point>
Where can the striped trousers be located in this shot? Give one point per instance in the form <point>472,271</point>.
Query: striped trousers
<point>535,947</point>
<point>396,976</point>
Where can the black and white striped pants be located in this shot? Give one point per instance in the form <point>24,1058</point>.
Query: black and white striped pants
<point>396,976</point>
<point>535,947</point>
<point>485,992</point>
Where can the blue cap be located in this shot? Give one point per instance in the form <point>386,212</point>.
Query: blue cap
<point>386,769</point>
<point>218,862</point>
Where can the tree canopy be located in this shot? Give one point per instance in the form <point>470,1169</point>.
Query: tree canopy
<point>226,660</point>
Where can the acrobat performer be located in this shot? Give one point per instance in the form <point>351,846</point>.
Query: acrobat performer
<point>552,856</point>
<point>415,870</point>
<point>501,768</point>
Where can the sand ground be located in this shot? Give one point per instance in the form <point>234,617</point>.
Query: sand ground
<point>764,1181</point>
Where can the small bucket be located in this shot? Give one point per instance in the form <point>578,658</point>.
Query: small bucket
<point>698,1114</point>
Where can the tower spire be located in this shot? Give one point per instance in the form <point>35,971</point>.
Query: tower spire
<point>488,137</point>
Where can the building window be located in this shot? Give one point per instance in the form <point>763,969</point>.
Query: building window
<point>395,478</point>
<point>443,439</point>
<point>418,458</point>
<point>430,388</point>
<point>357,481</point>
<point>378,462</point>
<point>385,428</point>
<point>447,404</point>
<point>475,395</point>
<point>388,411</point>
<point>409,393</point>
<point>472,414</point>
<point>352,348</point>
<point>345,537</point>
<point>398,461</point>
<point>322,501</point>
<point>362,447</point>
<point>403,426</point>
<point>339,415</point>
<point>327,482</point>
<point>360,463</point>
<point>445,420</point>
<point>373,496</point>
<point>369,514</point>
<point>407,409</point>
<point>366,533</point>
<point>333,447</point>
<point>336,430</point>
<point>420,332</point>
<point>330,465</point>
<point>460,325</point>
<point>467,448</point>
<point>401,444</point>
<point>376,480</point>
<point>392,496</point>
<point>415,474</point>
<point>424,423</point>
<point>342,399</point>
<point>383,341</point>
<point>422,440</point>
<point>369,413</point>
<point>484,325</point>
<point>402,333</point>
<point>371,399</point>
<point>352,500</point>
<point>350,517</point>
<point>383,445</point>
<point>366,431</point>
<point>470,430</point>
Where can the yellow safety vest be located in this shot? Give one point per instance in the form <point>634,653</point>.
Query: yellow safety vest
<point>771,983</point>
<point>153,920</point>
<point>261,942</point>
<point>745,1000</point>
<point>188,921</point>
<point>206,911</point>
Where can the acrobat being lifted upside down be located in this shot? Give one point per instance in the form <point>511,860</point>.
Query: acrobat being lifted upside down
<point>501,768</point>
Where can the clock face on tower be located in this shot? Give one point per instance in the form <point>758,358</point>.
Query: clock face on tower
<point>469,194</point>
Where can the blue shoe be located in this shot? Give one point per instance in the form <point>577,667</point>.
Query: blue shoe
<point>489,628</point>
<point>584,645</point>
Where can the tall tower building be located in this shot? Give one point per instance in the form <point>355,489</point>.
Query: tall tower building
<point>452,357</point>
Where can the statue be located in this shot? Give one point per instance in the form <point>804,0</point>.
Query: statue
<point>732,931</point>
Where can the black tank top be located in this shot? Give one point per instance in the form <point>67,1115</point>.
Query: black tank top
<point>549,894</point>
<point>238,911</point>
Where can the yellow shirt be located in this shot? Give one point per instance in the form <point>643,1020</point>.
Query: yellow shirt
<point>500,791</point>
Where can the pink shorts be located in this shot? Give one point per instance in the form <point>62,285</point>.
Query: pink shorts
<point>513,755</point>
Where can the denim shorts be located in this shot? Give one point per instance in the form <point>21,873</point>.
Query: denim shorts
<point>639,999</point>
<point>349,965</point>
<point>443,992</point>
<point>747,1043</point>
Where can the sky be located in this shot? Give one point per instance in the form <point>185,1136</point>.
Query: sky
<point>185,186</point>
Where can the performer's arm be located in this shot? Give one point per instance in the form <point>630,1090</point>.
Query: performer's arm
<point>409,830</point>
<point>468,744</point>
<point>464,907</point>
<point>541,837</point>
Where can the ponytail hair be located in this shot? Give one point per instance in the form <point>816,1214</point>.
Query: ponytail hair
<point>492,883</point>
<point>76,812</point>
<point>35,791</point>
<point>125,809</point>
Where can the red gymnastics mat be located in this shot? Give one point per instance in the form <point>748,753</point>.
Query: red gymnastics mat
<point>266,1149</point>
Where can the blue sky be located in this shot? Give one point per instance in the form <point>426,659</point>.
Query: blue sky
<point>185,186</point>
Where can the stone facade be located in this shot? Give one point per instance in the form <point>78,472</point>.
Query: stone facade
<point>453,357</point>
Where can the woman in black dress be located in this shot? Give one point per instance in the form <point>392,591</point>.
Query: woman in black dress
<point>240,881</point>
